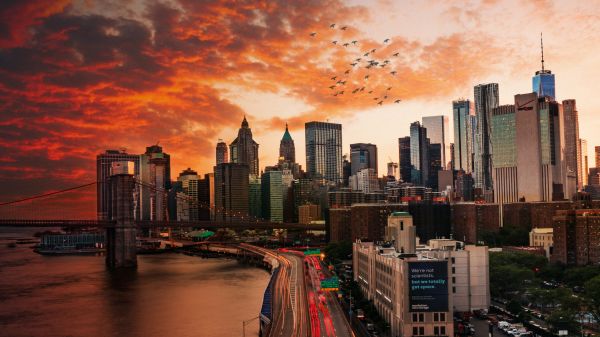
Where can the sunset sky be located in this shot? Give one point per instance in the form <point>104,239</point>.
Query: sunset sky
<point>79,77</point>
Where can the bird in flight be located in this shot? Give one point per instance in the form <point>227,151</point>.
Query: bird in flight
<point>386,61</point>
<point>358,59</point>
<point>382,65</point>
<point>342,92</point>
<point>346,44</point>
<point>385,97</point>
<point>366,77</point>
<point>332,25</point>
<point>343,83</point>
<point>354,42</point>
<point>393,72</point>
<point>390,88</point>
<point>376,98</point>
<point>313,34</point>
<point>370,92</point>
<point>347,72</point>
<point>353,64</point>
<point>396,54</point>
<point>362,89</point>
<point>344,28</point>
<point>366,54</point>
<point>397,101</point>
<point>334,42</point>
<point>339,82</point>
<point>386,40</point>
<point>380,102</point>
<point>335,94</point>
<point>333,78</point>
<point>355,90</point>
<point>331,87</point>
<point>373,50</point>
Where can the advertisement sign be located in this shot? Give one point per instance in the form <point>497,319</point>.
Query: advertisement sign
<point>428,282</point>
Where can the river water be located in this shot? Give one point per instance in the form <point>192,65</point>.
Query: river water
<point>168,295</point>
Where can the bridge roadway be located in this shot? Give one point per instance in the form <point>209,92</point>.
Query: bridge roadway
<point>155,224</point>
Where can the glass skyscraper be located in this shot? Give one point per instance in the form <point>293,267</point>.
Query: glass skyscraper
<point>419,154</point>
<point>363,156</point>
<point>464,134</point>
<point>543,83</point>
<point>486,99</point>
<point>438,133</point>
<point>404,159</point>
<point>324,151</point>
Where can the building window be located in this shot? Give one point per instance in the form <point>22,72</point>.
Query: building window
<point>453,270</point>
<point>436,330</point>
<point>415,318</point>
<point>442,317</point>
<point>443,330</point>
<point>436,316</point>
<point>453,260</point>
<point>453,279</point>
<point>421,317</point>
<point>415,331</point>
<point>453,289</point>
<point>422,330</point>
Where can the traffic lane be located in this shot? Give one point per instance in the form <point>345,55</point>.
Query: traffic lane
<point>341,324</point>
<point>301,298</point>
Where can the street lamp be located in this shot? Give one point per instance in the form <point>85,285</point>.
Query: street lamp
<point>244,323</point>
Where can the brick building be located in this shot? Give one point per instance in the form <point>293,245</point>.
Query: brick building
<point>577,237</point>
<point>340,224</point>
<point>470,220</point>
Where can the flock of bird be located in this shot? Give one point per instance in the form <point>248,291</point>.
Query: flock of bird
<point>365,59</point>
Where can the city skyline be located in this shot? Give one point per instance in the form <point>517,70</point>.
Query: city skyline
<point>157,97</point>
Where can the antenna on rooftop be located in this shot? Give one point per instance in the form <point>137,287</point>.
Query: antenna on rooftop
<point>542,45</point>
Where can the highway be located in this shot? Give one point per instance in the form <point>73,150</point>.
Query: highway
<point>300,307</point>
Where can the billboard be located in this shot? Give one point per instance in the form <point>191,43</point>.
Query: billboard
<point>312,252</point>
<point>428,286</point>
<point>330,284</point>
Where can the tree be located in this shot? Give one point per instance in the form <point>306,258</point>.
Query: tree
<point>592,296</point>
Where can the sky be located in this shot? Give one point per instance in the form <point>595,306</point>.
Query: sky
<point>80,77</point>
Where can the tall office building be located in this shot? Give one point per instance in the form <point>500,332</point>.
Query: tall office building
<point>272,196</point>
<point>324,151</point>
<point>255,197</point>
<point>505,154</point>
<point>392,170</point>
<point>404,159</point>
<point>222,156</point>
<point>597,156</point>
<point>572,149</point>
<point>155,175</point>
<point>486,99</point>
<point>543,81</point>
<point>583,173</point>
<point>287,151</point>
<point>103,195</point>
<point>231,191</point>
<point>363,156</point>
<point>188,204</point>
<point>419,154</point>
<point>465,124</point>
<point>438,132</point>
<point>244,150</point>
<point>206,197</point>
<point>528,150</point>
<point>435,165</point>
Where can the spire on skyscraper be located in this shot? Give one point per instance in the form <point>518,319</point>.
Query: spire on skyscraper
<point>542,45</point>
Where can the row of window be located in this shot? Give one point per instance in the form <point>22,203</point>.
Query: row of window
<point>437,331</point>
<point>437,317</point>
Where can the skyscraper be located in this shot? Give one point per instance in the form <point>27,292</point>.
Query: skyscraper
<point>287,151</point>
<point>222,156</point>
<point>486,99</point>
<point>404,159</point>
<point>231,191</point>
<point>187,200</point>
<point>583,173</point>
<point>543,81</point>
<point>438,133</point>
<point>363,156</point>
<point>206,197</point>
<point>272,196</point>
<point>435,165</point>
<point>463,114</point>
<point>597,156</point>
<point>103,165</point>
<point>324,151</point>
<point>244,150</point>
<point>419,154</point>
<point>255,197</point>
<point>572,149</point>
<point>155,174</point>
<point>528,150</point>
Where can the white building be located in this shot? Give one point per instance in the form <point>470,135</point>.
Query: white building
<point>542,237</point>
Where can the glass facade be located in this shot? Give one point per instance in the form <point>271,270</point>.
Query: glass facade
<point>543,84</point>
<point>486,99</point>
<point>464,134</point>
<point>504,128</point>
<point>437,132</point>
<point>324,151</point>
<point>363,156</point>
<point>419,154</point>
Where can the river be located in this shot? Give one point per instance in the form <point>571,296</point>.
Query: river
<point>168,295</point>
